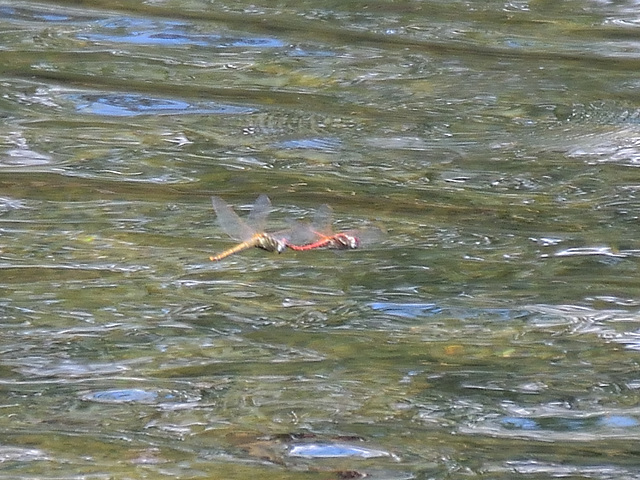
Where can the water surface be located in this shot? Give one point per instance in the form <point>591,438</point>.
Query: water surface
<point>493,331</point>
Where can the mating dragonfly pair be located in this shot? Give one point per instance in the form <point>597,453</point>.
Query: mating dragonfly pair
<point>299,237</point>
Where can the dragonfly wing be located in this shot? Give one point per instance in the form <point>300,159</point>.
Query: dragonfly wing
<point>258,215</point>
<point>367,236</point>
<point>299,233</point>
<point>323,219</point>
<point>230,222</point>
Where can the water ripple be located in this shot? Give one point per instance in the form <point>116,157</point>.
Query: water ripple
<point>131,395</point>
<point>587,251</point>
<point>325,144</point>
<point>535,468</point>
<point>420,310</point>
<point>407,310</point>
<point>130,105</point>
<point>139,395</point>
<point>38,366</point>
<point>335,450</point>
<point>140,31</point>
<point>7,204</point>
<point>569,424</point>
<point>18,454</point>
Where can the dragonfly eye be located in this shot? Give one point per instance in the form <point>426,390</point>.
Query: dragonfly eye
<point>351,241</point>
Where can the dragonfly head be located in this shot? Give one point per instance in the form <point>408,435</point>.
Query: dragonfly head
<point>281,245</point>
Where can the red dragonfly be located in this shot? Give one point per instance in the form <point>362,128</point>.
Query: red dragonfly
<point>250,233</point>
<point>324,237</point>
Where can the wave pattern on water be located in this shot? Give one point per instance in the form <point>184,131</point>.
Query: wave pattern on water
<point>495,329</point>
<point>141,31</point>
<point>127,105</point>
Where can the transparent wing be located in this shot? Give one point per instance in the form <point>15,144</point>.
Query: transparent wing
<point>300,233</point>
<point>230,222</point>
<point>367,236</point>
<point>323,220</point>
<point>258,216</point>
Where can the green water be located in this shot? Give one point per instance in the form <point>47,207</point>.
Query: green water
<point>491,332</point>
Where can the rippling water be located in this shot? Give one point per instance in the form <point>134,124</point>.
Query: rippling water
<point>492,331</point>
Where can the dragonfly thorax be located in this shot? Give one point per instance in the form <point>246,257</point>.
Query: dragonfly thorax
<point>344,241</point>
<point>270,243</point>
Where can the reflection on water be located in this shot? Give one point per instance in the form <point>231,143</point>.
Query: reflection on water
<point>315,450</point>
<point>495,327</point>
<point>168,33</point>
<point>570,424</point>
<point>131,105</point>
<point>325,144</point>
<point>142,31</point>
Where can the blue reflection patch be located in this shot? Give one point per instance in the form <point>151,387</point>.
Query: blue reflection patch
<point>327,143</point>
<point>146,32</point>
<point>417,310</point>
<point>31,14</point>
<point>519,423</point>
<point>133,395</point>
<point>334,450</point>
<point>407,310</point>
<point>50,17</point>
<point>618,421</point>
<point>129,105</point>
<point>568,424</point>
<point>300,52</point>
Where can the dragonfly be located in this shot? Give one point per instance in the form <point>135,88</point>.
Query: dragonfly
<point>250,233</point>
<point>320,228</point>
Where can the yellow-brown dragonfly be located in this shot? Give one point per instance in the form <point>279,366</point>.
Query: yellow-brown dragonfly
<point>250,233</point>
